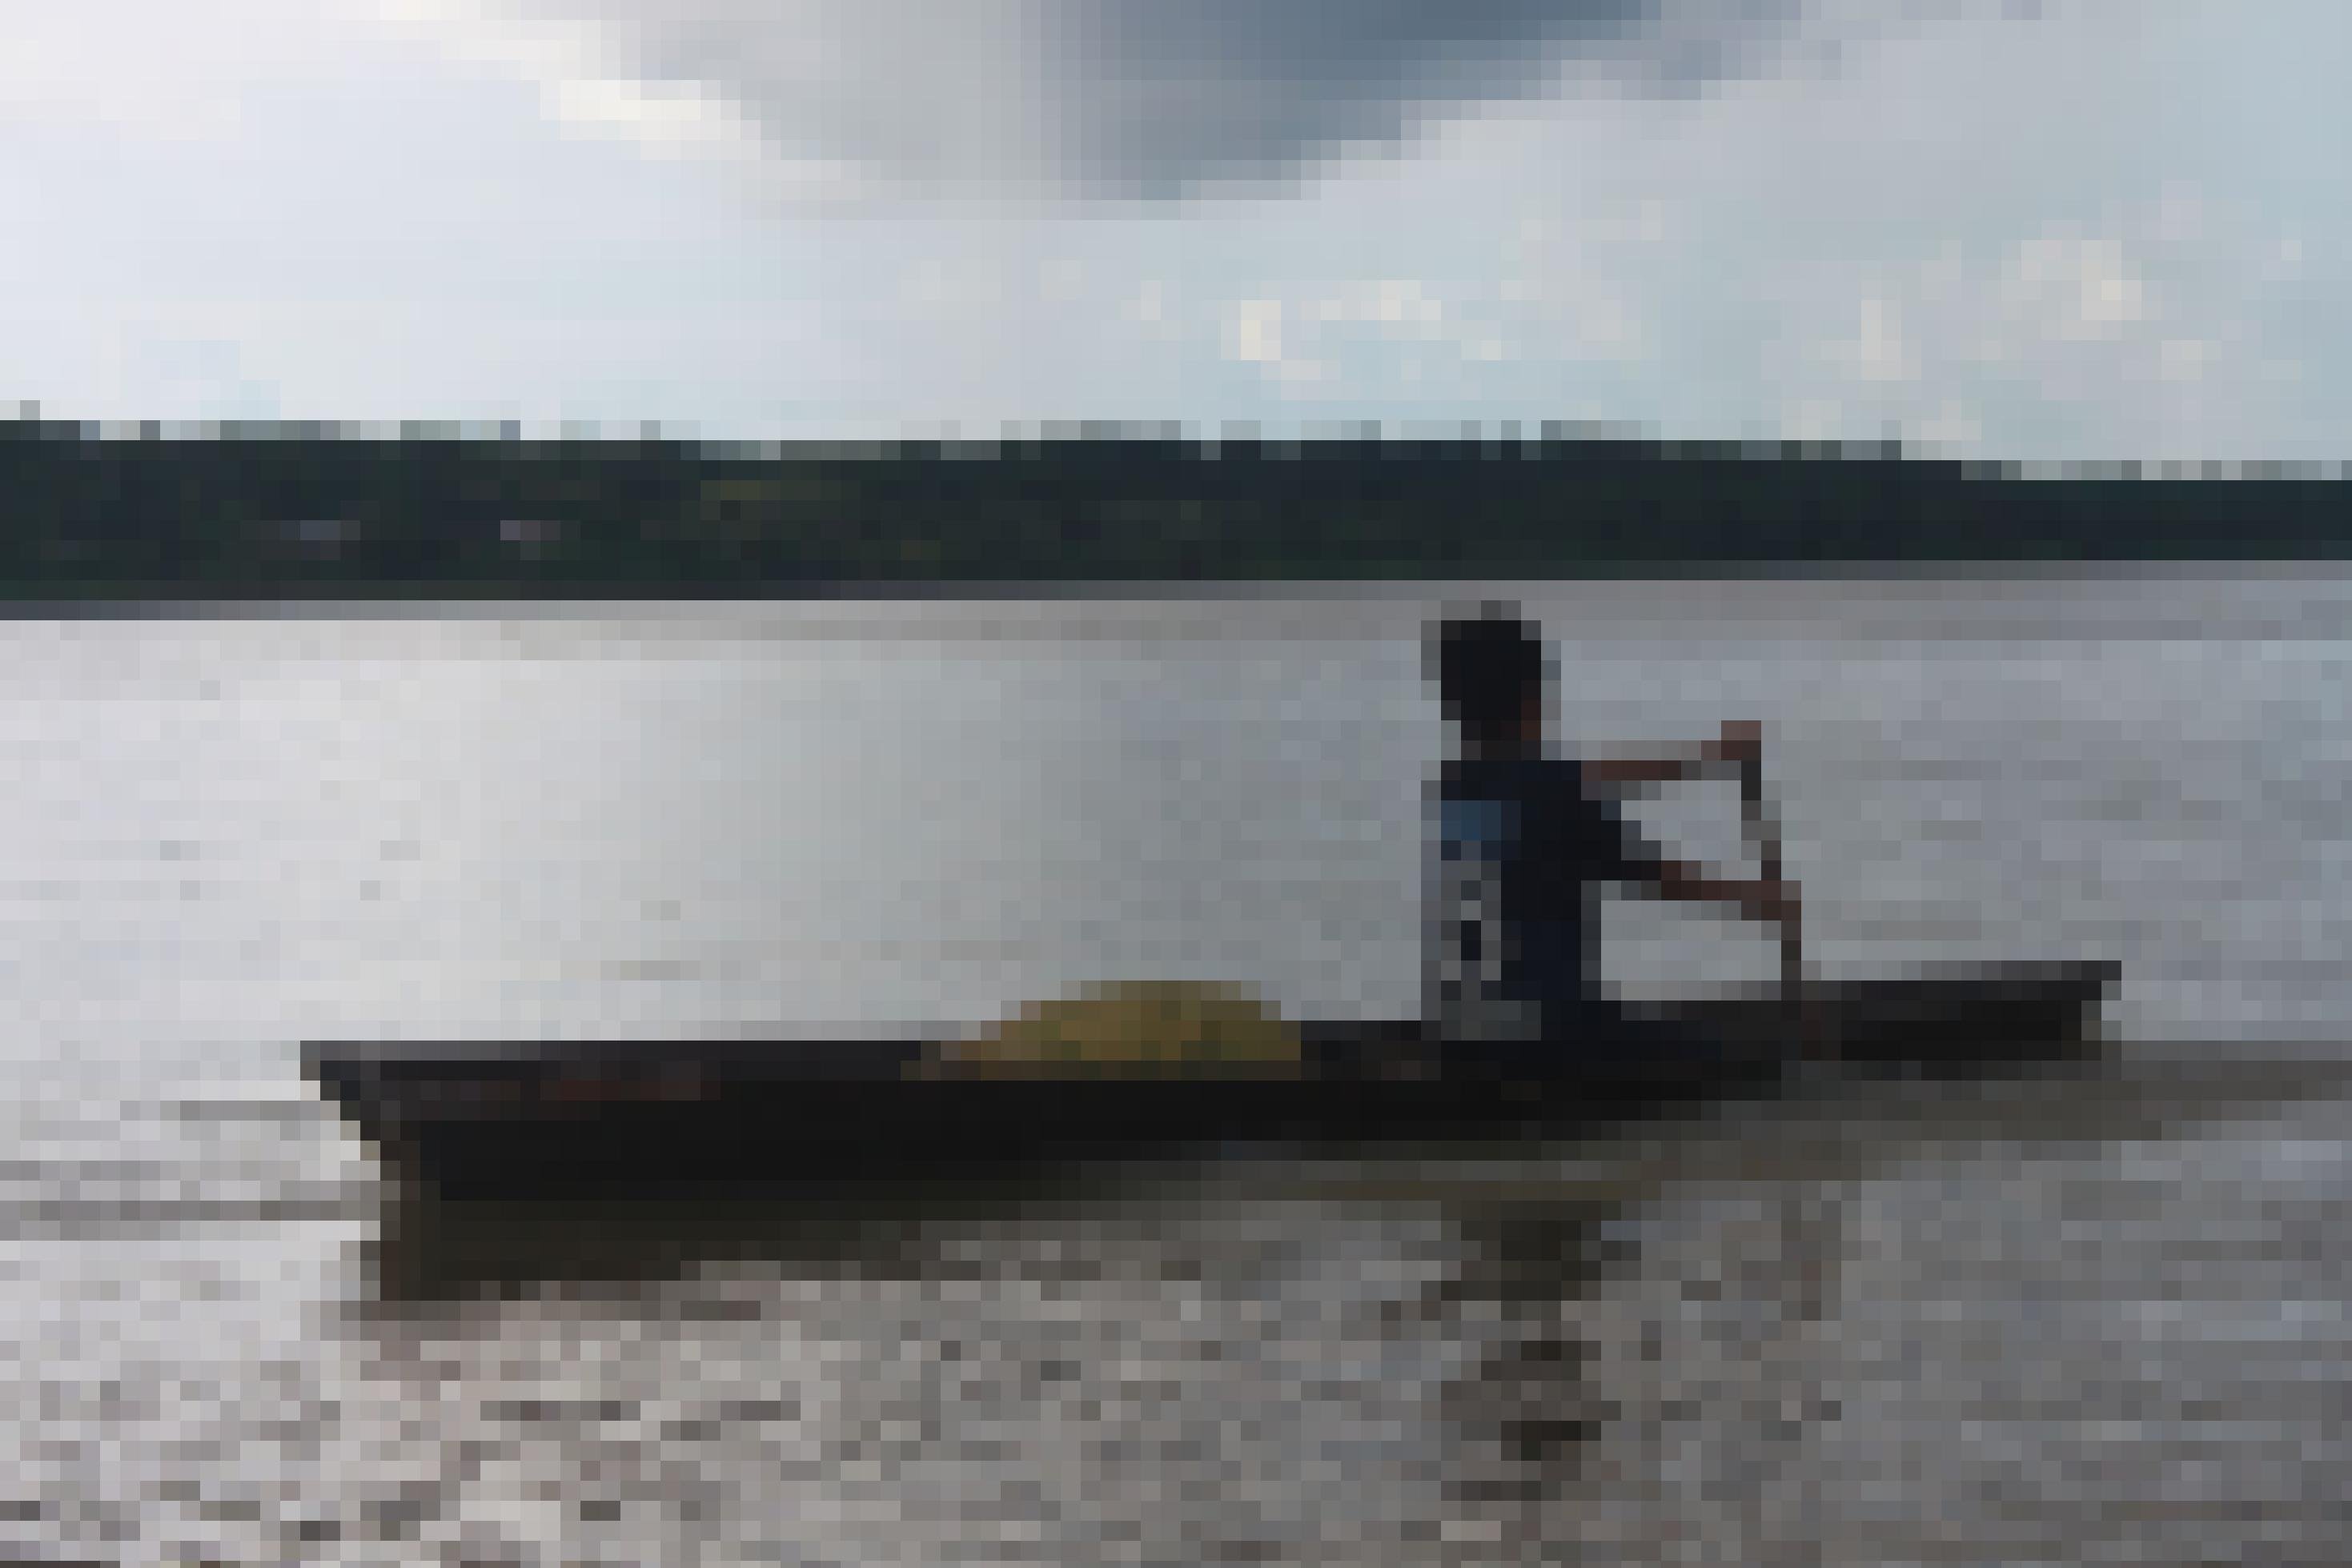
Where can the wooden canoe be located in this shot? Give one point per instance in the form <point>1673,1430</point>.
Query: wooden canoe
<point>621,1117</point>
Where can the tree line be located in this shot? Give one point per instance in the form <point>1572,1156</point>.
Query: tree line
<point>271,514</point>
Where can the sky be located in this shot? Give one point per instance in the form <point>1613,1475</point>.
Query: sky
<point>2037,230</point>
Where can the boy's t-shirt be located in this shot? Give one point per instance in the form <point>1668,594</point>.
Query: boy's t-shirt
<point>1521,845</point>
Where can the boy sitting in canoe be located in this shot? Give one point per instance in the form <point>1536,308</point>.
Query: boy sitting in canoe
<point>1523,843</point>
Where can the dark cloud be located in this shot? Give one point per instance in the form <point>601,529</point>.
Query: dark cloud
<point>1149,98</point>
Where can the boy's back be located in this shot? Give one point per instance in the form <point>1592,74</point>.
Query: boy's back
<point>1521,845</point>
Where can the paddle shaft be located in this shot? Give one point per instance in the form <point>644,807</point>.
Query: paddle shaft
<point>1761,824</point>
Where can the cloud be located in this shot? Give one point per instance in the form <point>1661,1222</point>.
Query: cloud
<point>2100,233</point>
<point>2065,334</point>
<point>1111,99</point>
<point>136,69</point>
<point>1254,333</point>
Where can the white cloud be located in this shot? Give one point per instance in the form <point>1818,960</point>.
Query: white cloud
<point>1296,374</point>
<point>1254,332</point>
<point>1811,418</point>
<point>586,82</point>
<point>1355,335</point>
<point>1149,307</point>
<point>1952,428</point>
<point>1878,352</point>
<point>2184,359</point>
<point>1968,353</point>
<point>1395,307</point>
<point>151,71</point>
<point>667,118</point>
<point>1602,325</point>
<point>2076,286</point>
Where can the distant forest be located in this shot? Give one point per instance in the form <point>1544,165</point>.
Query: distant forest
<point>277,513</point>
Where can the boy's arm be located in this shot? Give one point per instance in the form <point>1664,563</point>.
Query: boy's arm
<point>1740,744</point>
<point>1769,901</point>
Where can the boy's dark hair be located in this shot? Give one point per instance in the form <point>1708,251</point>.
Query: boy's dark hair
<point>1488,665</point>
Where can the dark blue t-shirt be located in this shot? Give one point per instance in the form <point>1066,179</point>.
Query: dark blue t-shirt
<point>1521,845</point>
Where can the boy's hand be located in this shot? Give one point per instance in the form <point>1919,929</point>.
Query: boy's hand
<point>1776,903</point>
<point>1740,742</point>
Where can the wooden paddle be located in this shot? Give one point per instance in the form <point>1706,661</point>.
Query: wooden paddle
<point>1763,826</point>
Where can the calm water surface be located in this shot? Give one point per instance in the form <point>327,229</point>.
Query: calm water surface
<point>2100,1319</point>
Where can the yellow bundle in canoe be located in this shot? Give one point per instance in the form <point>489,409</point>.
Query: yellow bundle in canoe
<point>1160,1028</point>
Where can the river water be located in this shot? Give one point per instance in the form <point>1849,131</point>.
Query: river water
<point>2022,1320</point>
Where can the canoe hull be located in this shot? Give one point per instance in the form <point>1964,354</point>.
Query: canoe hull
<point>589,1118</point>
